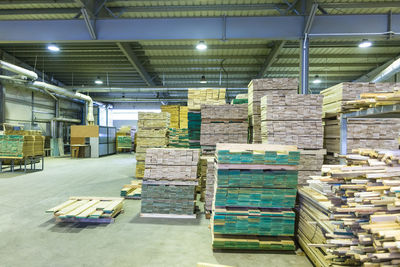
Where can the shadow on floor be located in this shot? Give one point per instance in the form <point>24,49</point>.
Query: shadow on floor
<point>139,220</point>
<point>66,227</point>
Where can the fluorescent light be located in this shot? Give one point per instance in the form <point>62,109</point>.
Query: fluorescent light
<point>317,80</point>
<point>53,48</point>
<point>98,81</point>
<point>365,43</point>
<point>201,46</point>
<point>203,79</point>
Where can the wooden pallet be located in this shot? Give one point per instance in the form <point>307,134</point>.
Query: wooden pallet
<point>168,216</point>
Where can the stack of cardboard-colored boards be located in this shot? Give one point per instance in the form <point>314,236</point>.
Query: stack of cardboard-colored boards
<point>169,181</point>
<point>88,209</point>
<point>295,120</point>
<point>349,214</point>
<point>152,132</point>
<point>222,124</point>
<point>196,98</point>
<point>372,133</point>
<point>262,87</point>
<point>335,97</point>
<point>132,190</point>
<point>174,111</point>
<point>254,197</point>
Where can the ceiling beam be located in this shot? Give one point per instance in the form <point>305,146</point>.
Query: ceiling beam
<point>134,60</point>
<point>272,28</point>
<point>271,58</point>
<point>350,5</point>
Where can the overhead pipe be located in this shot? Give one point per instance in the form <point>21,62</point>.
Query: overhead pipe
<point>62,91</point>
<point>31,75</point>
<point>142,90</point>
<point>391,70</point>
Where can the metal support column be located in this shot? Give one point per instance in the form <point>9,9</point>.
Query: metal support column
<point>2,103</point>
<point>304,64</point>
<point>33,108</point>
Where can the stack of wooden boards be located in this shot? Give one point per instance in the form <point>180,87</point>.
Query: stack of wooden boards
<point>152,132</point>
<point>178,138</point>
<point>240,99</point>
<point>259,88</point>
<point>132,190</point>
<point>168,188</point>
<point>371,100</point>
<point>222,124</point>
<point>124,138</point>
<point>295,120</point>
<point>362,132</point>
<point>254,197</point>
<point>196,98</point>
<point>21,144</point>
<point>183,117</point>
<point>350,214</point>
<point>207,175</point>
<point>336,97</point>
<point>174,113</point>
<point>88,209</point>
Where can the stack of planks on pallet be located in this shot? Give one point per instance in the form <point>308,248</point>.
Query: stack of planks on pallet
<point>168,188</point>
<point>222,124</point>
<point>240,99</point>
<point>152,132</point>
<point>88,209</point>
<point>132,190</point>
<point>295,120</point>
<point>259,88</point>
<point>254,197</point>
<point>178,138</point>
<point>209,181</point>
<point>363,132</point>
<point>174,113</point>
<point>197,98</point>
<point>372,100</point>
<point>349,215</point>
<point>21,144</point>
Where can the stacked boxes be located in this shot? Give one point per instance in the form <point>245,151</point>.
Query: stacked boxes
<point>196,98</point>
<point>178,138</point>
<point>254,197</point>
<point>295,120</point>
<point>222,124</point>
<point>259,88</point>
<point>169,182</point>
<point>173,110</point>
<point>152,132</point>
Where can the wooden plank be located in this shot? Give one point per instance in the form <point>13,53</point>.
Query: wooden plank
<point>61,206</point>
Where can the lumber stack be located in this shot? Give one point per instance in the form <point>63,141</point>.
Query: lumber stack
<point>254,197</point>
<point>365,132</point>
<point>183,117</point>
<point>152,132</point>
<point>11,146</point>
<point>88,209</point>
<point>295,120</point>
<point>202,176</point>
<point>209,182</point>
<point>132,190</point>
<point>168,188</point>
<point>259,88</point>
<point>240,99</point>
<point>372,100</point>
<point>124,138</point>
<point>196,98</point>
<point>21,144</point>
<point>349,214</point>
<point>174,112</point>
<point>335,97</point>
<point>222,124</point>
<point>178,138</point>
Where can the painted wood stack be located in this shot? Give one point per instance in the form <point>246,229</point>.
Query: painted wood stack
<point>196,98</point>
<point>132,190</point>
<point>222,124</point>
<point>152,132</point>
<point>168,188</point>
<point>254,197</point>
<point>295,120</point>
<point>256,90</point>
<point>349,214</point>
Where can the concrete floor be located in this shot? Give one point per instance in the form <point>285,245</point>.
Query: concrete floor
<point>30,237</point>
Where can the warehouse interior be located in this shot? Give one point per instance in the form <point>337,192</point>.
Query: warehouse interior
<point>200,133</point>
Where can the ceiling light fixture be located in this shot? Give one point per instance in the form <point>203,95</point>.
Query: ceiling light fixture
<point>365,43</point>
<point>203,79</point>
<point>317,80</point>
<point>53,48</point>
<point>201,46</point>
<point>98,81</point>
